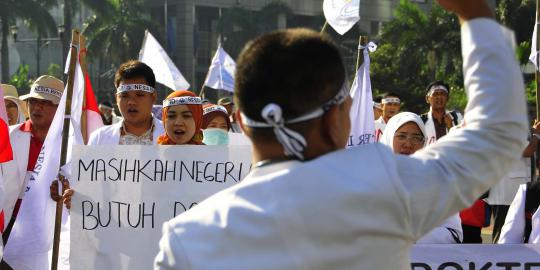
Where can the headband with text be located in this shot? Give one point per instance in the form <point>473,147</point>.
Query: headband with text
<point>135,87</point>
<point>390,100</point>
<point>182,101</point>
<point>47,90</point>
<point>216,108</point>
<point>437,88</point>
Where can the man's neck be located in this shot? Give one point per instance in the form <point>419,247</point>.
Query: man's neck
<point>386,119</point>
<point>138,129</point>
<point>438,114</point>
<point>40,132</point>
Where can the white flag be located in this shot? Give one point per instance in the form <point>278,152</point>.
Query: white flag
<point>534,50</point>
<point>164,69</point>
<point>362,119</point>
<point>342,15</point>
<point>32,233</point>
<point>221,72</point>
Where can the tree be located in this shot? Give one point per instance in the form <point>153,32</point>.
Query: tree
<point>416,48</point>
<point>35,13</point>
<point>116,32</point>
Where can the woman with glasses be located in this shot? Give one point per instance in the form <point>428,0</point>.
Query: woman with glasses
<point>405,134</point>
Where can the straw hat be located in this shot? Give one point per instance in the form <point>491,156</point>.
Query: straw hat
<point>46,87</point>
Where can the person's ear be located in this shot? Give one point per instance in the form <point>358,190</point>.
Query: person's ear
<point>332,126</point>
<point>427,99</point>
<point>239,120</point>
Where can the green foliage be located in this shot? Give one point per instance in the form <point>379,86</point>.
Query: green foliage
<point>116,32</point>
<point>54,70</point>
<point>20,79</point>
<point>417,48</point>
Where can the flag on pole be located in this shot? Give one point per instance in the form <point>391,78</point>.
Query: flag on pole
<point>93,117</point>
<point>221,71</point>
<point>342,15</point>
<point>6,153</point>
<point>361,114</point>
<point>164,69</point>
<point>32,232</point>
<point>534,50</point>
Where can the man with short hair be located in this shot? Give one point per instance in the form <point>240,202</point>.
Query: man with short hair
<point>377,107</point>
<point>135,84</point>
<point>27,140</point>
<point>390,104</point>
<point>438,121</point>
<point>308,203</point>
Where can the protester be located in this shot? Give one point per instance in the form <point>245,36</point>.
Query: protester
<point>107,114</point>
<point>182,119</point>
<point>27,140</point>
<point>377,107</point>
<point>309,204</point>
<point>229,105</point>
<point>438,120</point>
<point>405,134</point>
<point>216,125</point>
<point>390,106</point>
<point>16,109</point>
<point>501,196</point>
<point>135,94</point>
<point>522,223</point>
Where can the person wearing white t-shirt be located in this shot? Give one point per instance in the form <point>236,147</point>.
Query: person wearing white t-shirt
<point>310,204</point>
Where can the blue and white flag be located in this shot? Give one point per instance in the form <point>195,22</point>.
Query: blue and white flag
<point>362,119</point>
<point>221,72</point>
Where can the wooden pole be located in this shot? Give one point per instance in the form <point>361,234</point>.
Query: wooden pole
<point>362,42</point>
<point>324,27</point>
<point>84,68</point>
<point>537,72</point>
<point>63,150</point>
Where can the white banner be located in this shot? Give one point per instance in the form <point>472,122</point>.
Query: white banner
<point>342,15</point>
<point>475,257</point>
<point>123,194</point>
<point>221,72</point>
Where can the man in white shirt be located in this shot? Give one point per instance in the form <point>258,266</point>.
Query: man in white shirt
<point>309,204</point>
<point>390,105</point>
<point>135,84</point>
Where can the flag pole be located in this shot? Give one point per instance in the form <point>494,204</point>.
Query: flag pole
<point>362,42</point>
<point>537,73</point>
<point>84,68</point>
<point>323,29</point>
<point>65,136</point>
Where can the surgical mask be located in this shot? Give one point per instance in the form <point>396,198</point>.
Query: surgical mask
<point>215,136</point>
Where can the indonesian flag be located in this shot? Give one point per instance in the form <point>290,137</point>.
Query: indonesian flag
<point>6,153</point>
<point>93,117</point>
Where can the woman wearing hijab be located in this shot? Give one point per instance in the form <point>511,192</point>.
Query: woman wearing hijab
<point>15,108</point>
<point>405,134</point>
<point>216,125</point>
<point>182,119</point>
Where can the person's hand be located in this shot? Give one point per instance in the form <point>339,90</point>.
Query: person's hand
<point>467,9</point>
<point>67,192</point>
<point>448,120</point>
<point>536,127</point>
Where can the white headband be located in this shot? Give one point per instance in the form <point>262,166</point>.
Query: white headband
<point>390,100</point>
<point>293,142</point>
<point>215,108</point>
<point>376,105</point>
<point>47,90</point>
<point>435,88</point>
<point>135,87</point>
<point>182,101</point>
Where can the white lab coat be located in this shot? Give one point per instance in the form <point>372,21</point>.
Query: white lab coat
<point>514,225</point>
<point>362,208</point>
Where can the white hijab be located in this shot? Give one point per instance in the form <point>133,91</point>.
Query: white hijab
<point>20,109</point>
<point>396,122</point>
